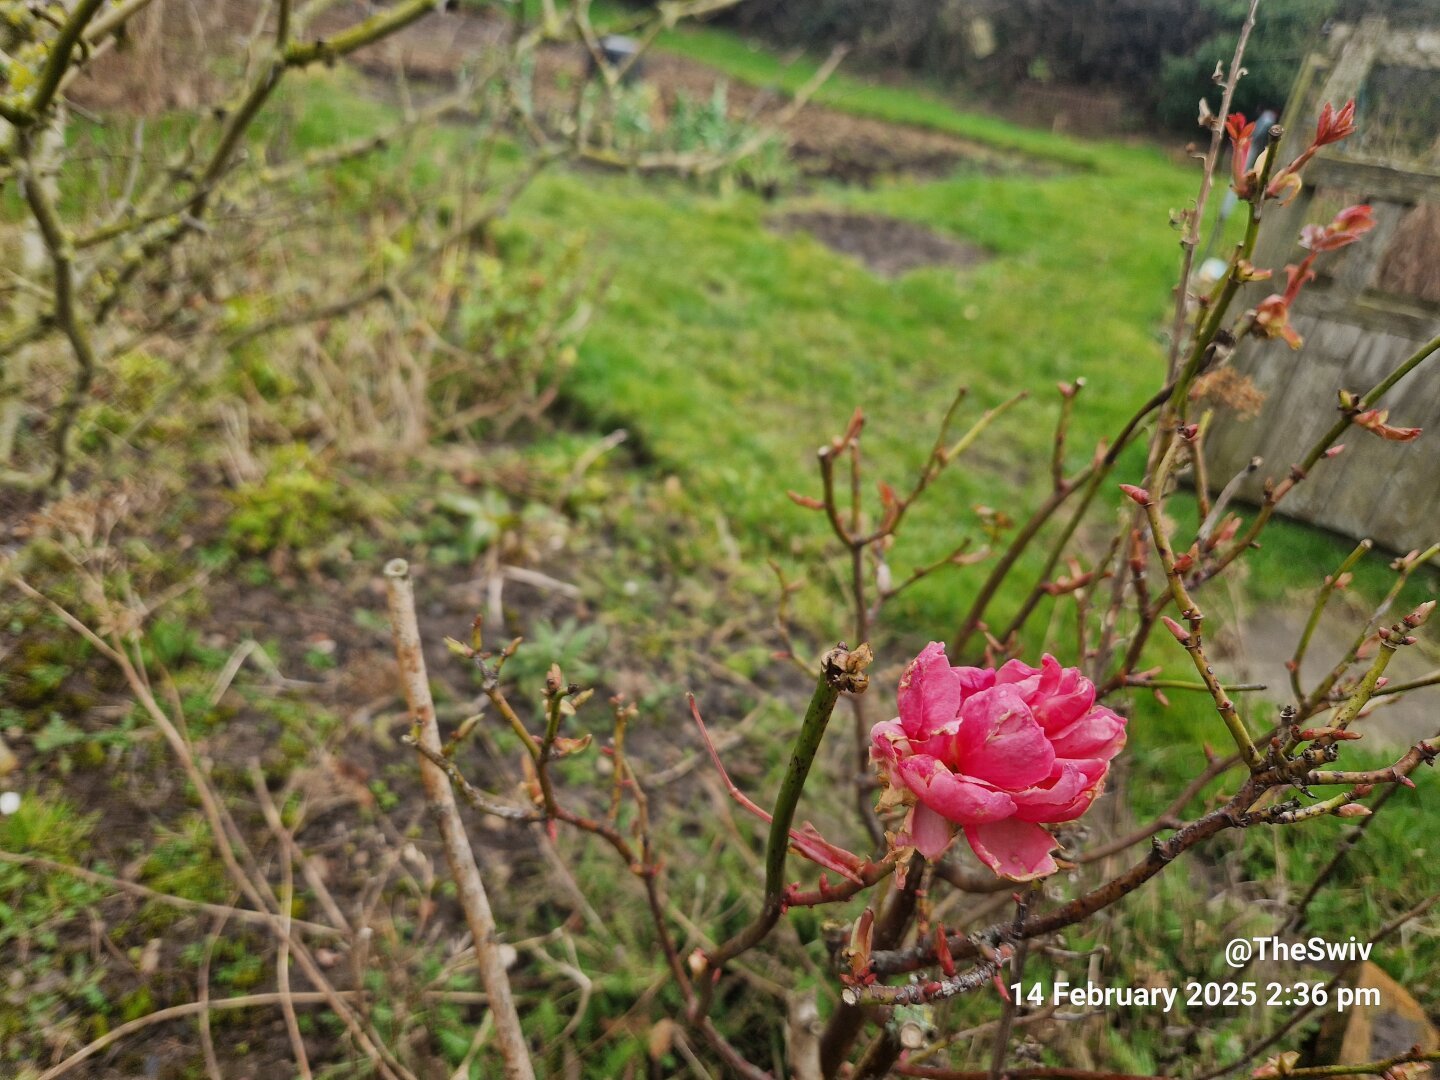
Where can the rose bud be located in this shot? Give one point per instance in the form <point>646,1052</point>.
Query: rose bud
<point>1181,634</point>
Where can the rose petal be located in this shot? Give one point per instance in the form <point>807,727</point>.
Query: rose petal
<point>956,798</point>
<point>975,679</point>
<point>1021,675</point>
<point>929,832</point>
<point>1000,742</point>
<point>1068,793</point>
<point>930,692</point>
<point>1014,849</point>
<point>1100,733</point>
<point>1070,698</point>
<point>888,742</point>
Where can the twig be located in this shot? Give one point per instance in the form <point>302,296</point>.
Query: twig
<point>441,799</point>
<point>207,1040</point>
<point>1192,232</point>
<point>282,960</point>
<point>1370,1068</point>
<point>292,851</point>
<point>260,918</point>
<point>1190,611</point>
<point>189,1008</point>
<point>1334,581</point>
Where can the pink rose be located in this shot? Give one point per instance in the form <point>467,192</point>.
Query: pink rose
<point>998,753</point>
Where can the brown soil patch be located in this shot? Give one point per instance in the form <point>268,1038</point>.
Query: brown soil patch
<point>168,59</point>
<point>827,142</point>
<point>824,142</point>
<point>888,246</point>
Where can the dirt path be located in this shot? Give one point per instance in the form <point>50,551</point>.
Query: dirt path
<point>1265,641</point>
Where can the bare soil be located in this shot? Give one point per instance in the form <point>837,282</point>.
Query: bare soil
<point>888,246</point>
<point>824,142</point>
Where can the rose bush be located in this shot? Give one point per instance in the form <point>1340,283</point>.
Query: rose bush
<point>999,753</point>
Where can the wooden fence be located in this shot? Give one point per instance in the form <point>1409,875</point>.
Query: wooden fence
<point>1373,304</point>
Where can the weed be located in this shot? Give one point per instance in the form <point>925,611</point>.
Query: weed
<point>299,506</point>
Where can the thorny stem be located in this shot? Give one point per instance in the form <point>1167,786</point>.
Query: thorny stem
<point>1008,1010</point>
<point>825,893</point>
<point>843,671</point>
<point>1362,693</point>
<point>847,1020</point>
<point>879,1057</point>
<point>1429,679</point>
<point>1316,700</point>
<point>1191,235</point>
<point>1322,598</point>
<point>477,799</point>
<point>1142,682</point>
<point>1370,1068</point>
<point>1208,333</point>
<point>1062,426</point>
<point>1202,470</point>
<point>1192,614</point>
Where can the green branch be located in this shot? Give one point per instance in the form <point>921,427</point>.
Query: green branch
<point>361,34</point>
<point>58,61</point>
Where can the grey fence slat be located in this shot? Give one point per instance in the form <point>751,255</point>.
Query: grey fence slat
<point>1387,491</point>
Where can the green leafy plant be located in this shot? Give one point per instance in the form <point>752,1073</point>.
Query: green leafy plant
<point>299,506</point>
